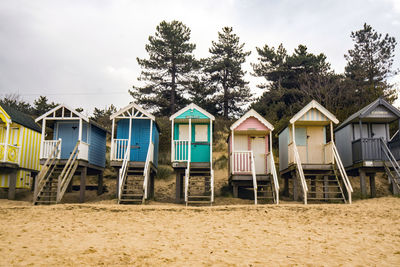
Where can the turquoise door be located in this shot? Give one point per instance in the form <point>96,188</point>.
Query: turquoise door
<point>200,143</point>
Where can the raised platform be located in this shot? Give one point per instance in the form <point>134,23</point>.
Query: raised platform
<point>133,164</point>
<point>317,168</point>
<point>193,165</point>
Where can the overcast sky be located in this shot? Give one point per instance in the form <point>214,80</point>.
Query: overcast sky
<point>83,53</point>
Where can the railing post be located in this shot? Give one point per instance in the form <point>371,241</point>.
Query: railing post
<point>6,141</point>
<point>112,140</point>
<point>172,141</point>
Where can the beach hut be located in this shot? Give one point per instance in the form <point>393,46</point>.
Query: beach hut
<point>191,155</point>
<point>251,160</point>
<point>308,158</point>
<point>366,146</point>
<point>19,149</point>
<point>134,152</point>
<point>71,144</point>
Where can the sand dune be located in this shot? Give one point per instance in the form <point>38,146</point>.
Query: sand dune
<point>364,233</point>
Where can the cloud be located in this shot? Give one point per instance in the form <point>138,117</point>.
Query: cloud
<point>66,49</point>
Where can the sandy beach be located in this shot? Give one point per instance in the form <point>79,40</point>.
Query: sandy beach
<point>364,233</point>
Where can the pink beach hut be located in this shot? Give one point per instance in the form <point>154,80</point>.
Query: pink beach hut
<point>251,161</point>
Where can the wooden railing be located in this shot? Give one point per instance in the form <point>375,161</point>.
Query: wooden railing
<point>253,173</point>
<point>394,146</point>
<point>119,147</point>
<point>242,162</point>
<point>212,185</point>
<point>146,171</point>
<point>122,173</point>
<point>9,153</point>
<point>180,150</point>
<point>300,172</point>
<point>47,169</point>
<point>272,171</point>
<point>328,156</point>
<point>47,147</point>
<point>83,150</point>
<point>342,171</point>
<point>393,164</point>
<point>68,172</point>
<point>366,149</point>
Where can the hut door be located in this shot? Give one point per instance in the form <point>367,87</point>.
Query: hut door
<point>315,144</point>
<point>258,148</point>
<point>68,132</point>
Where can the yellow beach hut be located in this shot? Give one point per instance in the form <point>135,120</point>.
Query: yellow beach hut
<point>19,149</point>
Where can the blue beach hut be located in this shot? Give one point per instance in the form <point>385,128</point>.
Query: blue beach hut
<point>71,144</point>
<point>134,152</point>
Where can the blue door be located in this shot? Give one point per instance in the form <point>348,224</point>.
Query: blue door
<point>69,133</point>
<point>140,140</point>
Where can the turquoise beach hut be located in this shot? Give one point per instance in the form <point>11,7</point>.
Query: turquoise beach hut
<point>191,155</point>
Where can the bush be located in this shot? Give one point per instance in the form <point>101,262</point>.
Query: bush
<point>164,172</point>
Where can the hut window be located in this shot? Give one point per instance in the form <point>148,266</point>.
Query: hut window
<point>183,132</point>
<point>201,134</point>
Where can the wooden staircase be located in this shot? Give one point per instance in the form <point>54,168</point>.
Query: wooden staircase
<point>266,192</point>
<point>324,186</point>
<point>391,166</point>
<point>200,187</point>
<point>53,179</point>
<point>132,189</point>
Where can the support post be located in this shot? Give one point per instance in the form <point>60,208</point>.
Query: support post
<point>326,188</point>
<point>372,185</point>
<point>232,152</point>
<point>235,190</point>
<point>80,130</point>
<point>6,142</point>
<point>12,185</point>
<point>363,186</point>
<point>112,139</point>
<point>190,140</point>
<point>117,184</point>
<point>178,184</point>
<point>295,186</point>
<point>128,149</point>
<point>313,186</point>
<point>286,187</point>
<point>83,185</point>
<point>211,144</point>
<point>172,142</point>
<point>331,129</point>
<point>100,183</point>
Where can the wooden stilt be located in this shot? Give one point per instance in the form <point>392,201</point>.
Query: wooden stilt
<point>313,187</point>
<point>152,180</point>
<point>286,187</point>
<point>34,175</point>
<point>83,185</point>
<point>363,186</point>
<point>326,188</point>
<point>178,187</point>
<point>117,185</point>
<point>295,187</point>
<point>100,183</point>
<point>235,191</point>
<point>12,185</point>
<point>372,185</point>
<point>69,188</point>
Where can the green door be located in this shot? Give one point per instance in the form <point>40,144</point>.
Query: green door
<point>200,143</point>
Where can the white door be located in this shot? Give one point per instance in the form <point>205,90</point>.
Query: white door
<point>378,131</point>
<point>258,148</point>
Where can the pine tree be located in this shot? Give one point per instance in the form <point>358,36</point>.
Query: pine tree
<point>226,75</point>
<point>369,65</point>
<point>41,105</point>
<point>168,70</point>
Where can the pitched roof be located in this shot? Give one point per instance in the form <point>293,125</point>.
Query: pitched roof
<point>21,118</point>
<point>252,113</point>
<point>129,107</point>
<point>192,106</point>
<point>365,111</point>
<point>319,107</point>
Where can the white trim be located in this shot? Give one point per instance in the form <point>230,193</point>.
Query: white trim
<point>252,113</point>
<point>192,106</point>
<point>132,115</point>
<point>63,107</point>
<point>316,105</point>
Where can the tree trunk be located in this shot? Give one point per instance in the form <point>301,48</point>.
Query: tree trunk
<point>225,96</point>
<point>173,89</point>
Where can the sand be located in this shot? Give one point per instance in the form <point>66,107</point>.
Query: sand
<point>364,233</point>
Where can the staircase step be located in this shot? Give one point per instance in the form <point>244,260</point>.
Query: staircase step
<point>198,202</point>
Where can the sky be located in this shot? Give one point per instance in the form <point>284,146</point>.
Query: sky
<point>83,53</point>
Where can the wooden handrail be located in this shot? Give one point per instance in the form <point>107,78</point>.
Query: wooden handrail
<point>301,172</point>
<point>122,172</point>
<point>274,177</point>
<point>40,182</point>
<point>253,173</point>
<point>342,171</point>
<point>66,174</point>
<point>391,158</point>
<point>146,168</point>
